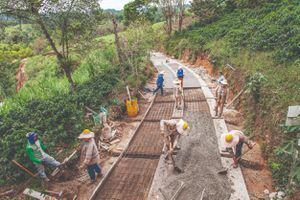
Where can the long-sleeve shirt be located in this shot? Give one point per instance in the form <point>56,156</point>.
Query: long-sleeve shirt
<point>160,80</point>
<point>90,153</point>
<point>180,73</point>
<point>35,151</point>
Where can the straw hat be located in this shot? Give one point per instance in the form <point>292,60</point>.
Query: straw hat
<point>182,127</point>
<point>86,134</point>
<point>230,139</point>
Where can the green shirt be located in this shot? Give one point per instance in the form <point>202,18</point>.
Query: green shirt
<point>35,155</point>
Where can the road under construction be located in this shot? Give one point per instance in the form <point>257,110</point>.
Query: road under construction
<point>140,172</point>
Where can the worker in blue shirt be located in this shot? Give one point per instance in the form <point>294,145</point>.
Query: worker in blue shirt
<point>160,83</point>
<point>180,75</point>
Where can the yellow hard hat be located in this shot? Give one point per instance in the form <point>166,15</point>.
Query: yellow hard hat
<point>86,131</point>
<point>229,137</point>
<point>185,125</point>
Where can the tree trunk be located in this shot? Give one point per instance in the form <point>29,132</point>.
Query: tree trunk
<point>118,46</point>
<point>61,59</point>
<point>181,15</point>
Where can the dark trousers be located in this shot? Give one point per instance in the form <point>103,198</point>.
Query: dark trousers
<point>92,170</point>
<point>161,89</point>
<point>239,147</point>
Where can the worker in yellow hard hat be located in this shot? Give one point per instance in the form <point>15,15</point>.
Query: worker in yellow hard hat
<point>235,140</point>
<point>172,130</point>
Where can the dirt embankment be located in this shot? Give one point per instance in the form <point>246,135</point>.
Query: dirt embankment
<point>21,77</point>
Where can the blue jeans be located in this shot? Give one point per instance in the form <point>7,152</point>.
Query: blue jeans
<point>49,161</point>
<point>161,89</point>
<point>92,170</point>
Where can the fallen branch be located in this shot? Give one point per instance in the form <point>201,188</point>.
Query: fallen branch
<point>236,97</point>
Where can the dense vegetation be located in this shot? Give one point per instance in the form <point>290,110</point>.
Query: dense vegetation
<point>46,103</point>
<point>255,37</point>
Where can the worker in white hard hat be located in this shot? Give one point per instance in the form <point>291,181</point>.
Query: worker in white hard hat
<point>178,94</point>
<point>172,130</point>
<point>221,97</point>
<point>235,140</point>
<point>180,75</point>
<point>160,83</point>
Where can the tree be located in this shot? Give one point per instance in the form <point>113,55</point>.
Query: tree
<point>140,10</point>
<point>168,9</point>
<point>118,47</point>
<point>39,11</point>
<point>181,6</point>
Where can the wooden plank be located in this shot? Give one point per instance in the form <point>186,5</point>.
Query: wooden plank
<point>37,195</point>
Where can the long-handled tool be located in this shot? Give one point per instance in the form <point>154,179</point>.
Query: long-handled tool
<point>224,171</point>
<point>24,169</point>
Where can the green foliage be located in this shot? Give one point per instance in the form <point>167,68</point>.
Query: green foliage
<point>23,33</point>
<point>7,79</point>
<point>271,27</point>
<point>139,10</point>
<point>16,51</point>
<point>260,39</point>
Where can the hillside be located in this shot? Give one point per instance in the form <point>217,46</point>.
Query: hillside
<point>261,43</point>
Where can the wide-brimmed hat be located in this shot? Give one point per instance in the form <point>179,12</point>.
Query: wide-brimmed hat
<point>86,134</point>
<point>182,127</point>
<point>224,82</point>
<point>234,141</point>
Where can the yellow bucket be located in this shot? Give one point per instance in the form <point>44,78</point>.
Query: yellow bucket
<point>132,108</point>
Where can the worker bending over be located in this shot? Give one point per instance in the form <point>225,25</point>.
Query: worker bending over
<point>180,75</point>
<point>221,97</point>
<point>37,153</point>
<point>235,140</point>
<point>172,130</point>
<point>89,154</point>
<point>178,94</point>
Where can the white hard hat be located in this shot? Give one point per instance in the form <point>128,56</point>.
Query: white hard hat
<point>162,72</point>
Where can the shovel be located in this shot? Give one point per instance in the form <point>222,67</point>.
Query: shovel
<point>224,171</point>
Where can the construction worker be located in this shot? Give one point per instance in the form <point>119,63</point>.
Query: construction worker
<point>172,130</point>
<point>89,155</point>
<point>221,77</point>
<point>180,75</point>
<point>235,140</point>
<point>221,97</point>
<point>37,153</point>
<point>160,83</point>
<point>178,94</point>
